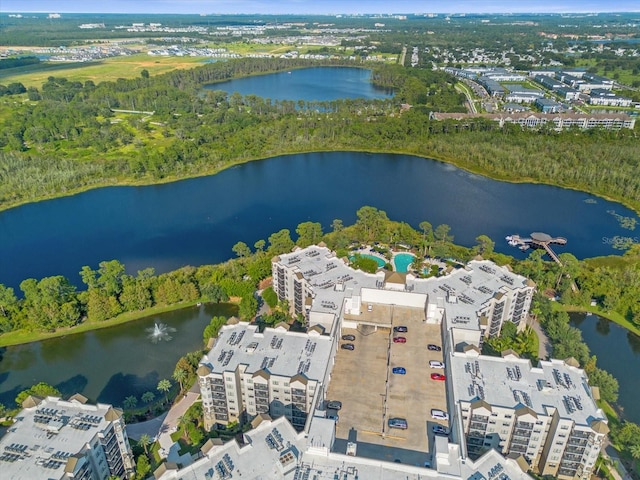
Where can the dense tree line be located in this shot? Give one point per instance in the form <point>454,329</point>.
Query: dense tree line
<point>197,133</point>
<point>18,62</point>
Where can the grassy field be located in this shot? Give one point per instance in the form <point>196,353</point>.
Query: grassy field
<point>105,70</point>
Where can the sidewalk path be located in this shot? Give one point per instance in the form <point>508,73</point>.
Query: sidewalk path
<point>544,345</point>
<point>618,471</point>
<point>170,423</point>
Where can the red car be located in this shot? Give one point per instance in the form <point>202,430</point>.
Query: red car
<point>438,376</point>
<point>399,340</point>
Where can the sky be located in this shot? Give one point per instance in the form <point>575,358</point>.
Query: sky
<point>280,7</point>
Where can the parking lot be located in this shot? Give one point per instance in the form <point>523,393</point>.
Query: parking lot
<point>371,394</point>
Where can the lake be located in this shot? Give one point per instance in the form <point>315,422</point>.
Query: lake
<point>618,352</point>
<point>310,84</point>
<point>110,364</point>
<point>197,221</point>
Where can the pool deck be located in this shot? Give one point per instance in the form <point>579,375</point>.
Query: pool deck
<point>369,250</point>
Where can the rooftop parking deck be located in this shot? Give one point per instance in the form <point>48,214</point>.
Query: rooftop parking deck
<point>371,394</point>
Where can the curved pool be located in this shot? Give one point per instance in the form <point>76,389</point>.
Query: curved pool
<point>401,261</point>
<point>381,261</point>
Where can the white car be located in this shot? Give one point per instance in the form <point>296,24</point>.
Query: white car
<point>436,364</point>
<point>439,414</point>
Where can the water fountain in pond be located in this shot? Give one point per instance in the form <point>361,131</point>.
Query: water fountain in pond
<point>160,332</point>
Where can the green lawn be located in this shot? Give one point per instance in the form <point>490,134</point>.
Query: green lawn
<point>104,70</point>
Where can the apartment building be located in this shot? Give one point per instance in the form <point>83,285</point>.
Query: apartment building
<point>57,439</point>
<point>478,298</point>
<point>608,121</point>
<point>275,450</point>
<point>599,96</point>
<point>547,414</point>
<point>248,373</point>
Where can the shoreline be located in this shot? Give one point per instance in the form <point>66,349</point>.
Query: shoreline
<point>462,165</point>
<point>21,337</point>
<point>614,317</point>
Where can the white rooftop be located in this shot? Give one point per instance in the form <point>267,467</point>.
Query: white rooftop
<point>513,382</point>
<point>275,451</point>
<point>277,351</point>
<point>44,437</point>
<point>463,292</point>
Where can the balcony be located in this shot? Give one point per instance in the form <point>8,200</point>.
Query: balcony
<point>478,426</point>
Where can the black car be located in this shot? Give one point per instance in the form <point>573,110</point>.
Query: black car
<point>440,430</point>
<point>400,329</point>
<point>433,347</point>
<point>348,346</point>
<point>334,405</point>
<point>351,338</point>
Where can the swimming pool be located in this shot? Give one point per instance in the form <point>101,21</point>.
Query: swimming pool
<point>381,262</point>
<point>402,261</point>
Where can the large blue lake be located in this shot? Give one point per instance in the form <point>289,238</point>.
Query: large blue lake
<point>197,222</point>
<point>311,84</point>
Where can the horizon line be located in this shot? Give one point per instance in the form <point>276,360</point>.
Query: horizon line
<point>574,12</point>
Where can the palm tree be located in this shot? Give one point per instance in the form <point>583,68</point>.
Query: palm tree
<point>148,397</point>
<point>635,451</point>
<point>164,385</point>
<point>145,441</point>
<point>130,402</point>
<point>180,376</point>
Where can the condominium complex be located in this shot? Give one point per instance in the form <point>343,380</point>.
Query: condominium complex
<point>559,121</point>
<point>57,439</point>
<point>547,413</point>
<point>542,418</point>
<point>248,373</point>
<point>479,297</point>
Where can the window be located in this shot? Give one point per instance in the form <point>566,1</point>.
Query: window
<point>275,382</point>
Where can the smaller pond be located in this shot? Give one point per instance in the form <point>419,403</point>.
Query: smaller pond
<point>111,364</point>
<point>401,261</point>
<point>618,352</point>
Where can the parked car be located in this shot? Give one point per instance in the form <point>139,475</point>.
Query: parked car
<point>351,338</point>
<point>369,308</point>
<point>399,340</point>
<point>433,347</point>
<point>334,404</point>
<point>439,414</point>
<point>436,364</point>
<point>440,430</point>
<point>438,376</point>
<point>333,415</point>
<point>400,423</point>
<point>348,346</point>
<point>400,329</point>
<point>399,370</point>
